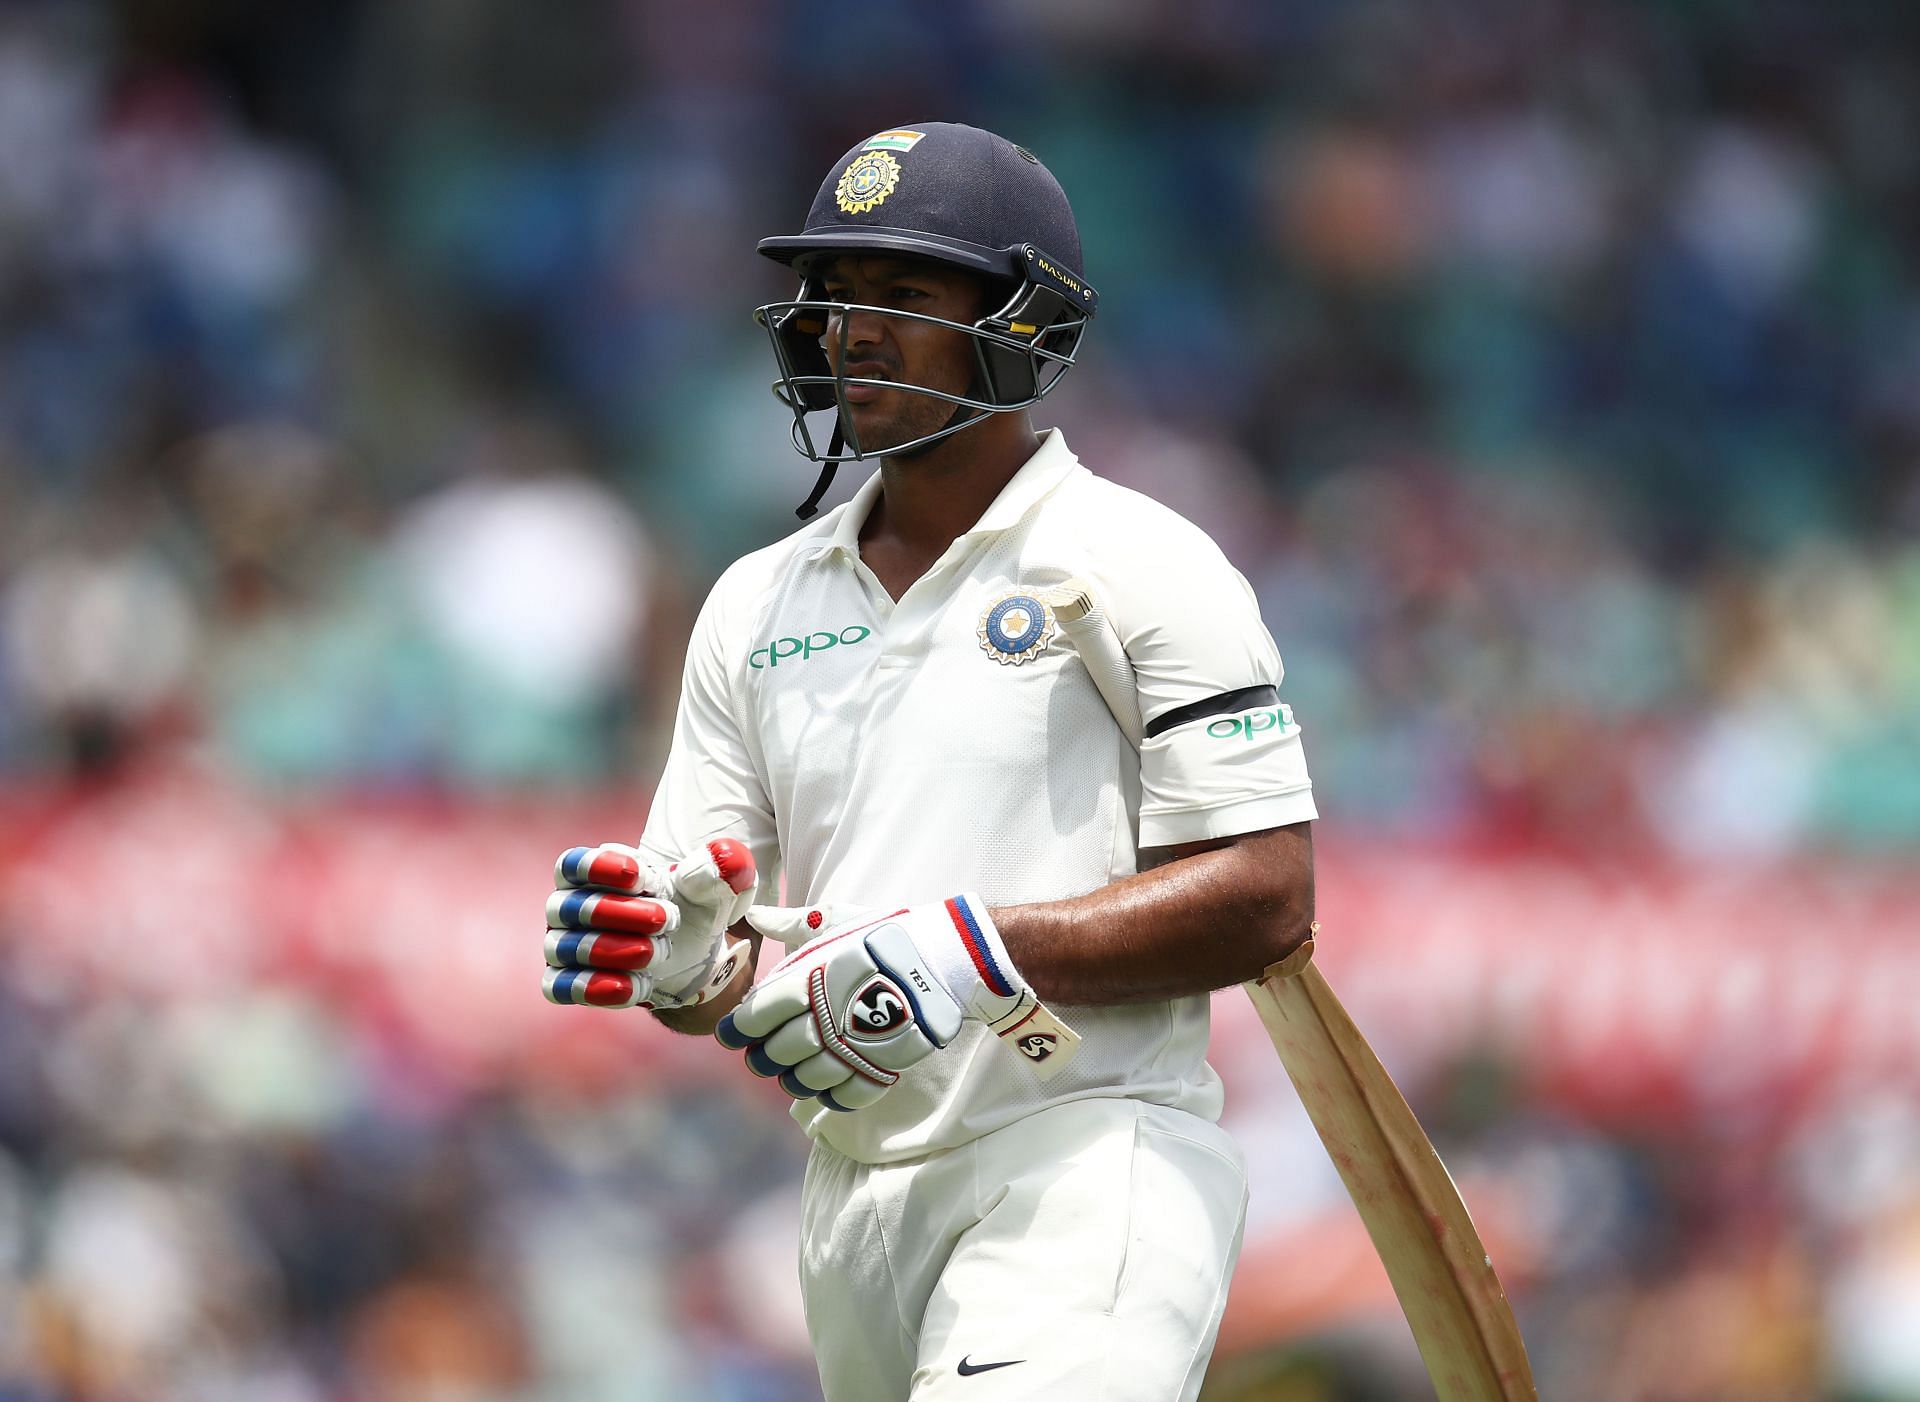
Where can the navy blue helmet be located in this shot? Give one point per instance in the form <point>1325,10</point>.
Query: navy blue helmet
<point>960,196</point>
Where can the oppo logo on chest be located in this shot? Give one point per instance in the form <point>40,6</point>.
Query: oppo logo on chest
<point>803,649</point>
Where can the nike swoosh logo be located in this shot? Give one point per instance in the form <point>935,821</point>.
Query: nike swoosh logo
<point>967,1369</point>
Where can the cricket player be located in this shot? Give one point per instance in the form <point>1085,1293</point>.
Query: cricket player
<point>1002,919</point>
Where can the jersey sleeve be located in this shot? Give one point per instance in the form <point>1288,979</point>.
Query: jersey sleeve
<point>711,786</point>
<point>1222,753</point>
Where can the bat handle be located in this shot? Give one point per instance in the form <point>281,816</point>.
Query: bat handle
<point>1101,652</point>
<point>1294,963</point>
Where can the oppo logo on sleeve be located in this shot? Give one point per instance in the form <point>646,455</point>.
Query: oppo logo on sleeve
<point>1252,723</point>
<point>786,649</point>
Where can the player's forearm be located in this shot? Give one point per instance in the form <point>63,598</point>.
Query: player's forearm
<point>1210,917</point>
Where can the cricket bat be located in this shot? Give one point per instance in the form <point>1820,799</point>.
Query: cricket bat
<point>1440,1271</point>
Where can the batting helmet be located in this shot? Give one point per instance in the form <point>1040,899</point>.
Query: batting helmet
<point>960,196</point>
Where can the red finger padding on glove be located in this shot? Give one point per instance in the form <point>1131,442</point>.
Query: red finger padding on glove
<point>594,949</point>
<point>594,989</point>
<point>594,866</point>
<point>734,862</point>
<point>596,910</point>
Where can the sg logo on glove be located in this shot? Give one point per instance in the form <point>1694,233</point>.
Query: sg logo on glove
<point>863,1000</point>
<point>878,1007</point>
<point>1037,1046</point>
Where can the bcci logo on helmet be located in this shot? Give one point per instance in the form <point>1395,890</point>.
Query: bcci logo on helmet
<point>866,182</point>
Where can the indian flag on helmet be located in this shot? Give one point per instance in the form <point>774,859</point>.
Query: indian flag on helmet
<point>893,141</point>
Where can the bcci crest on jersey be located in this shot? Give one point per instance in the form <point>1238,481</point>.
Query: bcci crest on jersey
<point>1015,628</point>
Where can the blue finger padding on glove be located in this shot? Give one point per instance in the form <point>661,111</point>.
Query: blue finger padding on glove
<point>791,1083</point>
<point>562,984</point>
<point>573,863</point>
<point>564,950</point>
<point>826,1099</point>
<point>731,1037</point>
<point>761,1064</point>
<point>570,907</point>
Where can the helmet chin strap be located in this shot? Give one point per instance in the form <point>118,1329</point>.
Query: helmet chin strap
<point>809,508</point>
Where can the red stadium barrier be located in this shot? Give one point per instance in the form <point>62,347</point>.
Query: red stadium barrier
<point>1627,991</point>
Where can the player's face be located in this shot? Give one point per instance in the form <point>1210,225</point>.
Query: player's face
<point>899,348</point>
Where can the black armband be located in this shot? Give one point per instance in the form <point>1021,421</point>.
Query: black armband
<point>1227,703</point>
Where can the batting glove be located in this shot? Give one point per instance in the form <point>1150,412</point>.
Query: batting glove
<point>847,1012</point>
<point>621,933</point>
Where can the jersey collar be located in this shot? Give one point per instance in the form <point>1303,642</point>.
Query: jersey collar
<point>1049,466</point>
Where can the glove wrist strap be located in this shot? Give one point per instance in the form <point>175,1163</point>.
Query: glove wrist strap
<point>997,994</point>
<point>976,967</point>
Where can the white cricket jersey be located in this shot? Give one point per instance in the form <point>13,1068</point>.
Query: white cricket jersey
<point>887,753</point>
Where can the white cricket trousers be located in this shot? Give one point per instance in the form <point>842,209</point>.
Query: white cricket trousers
<point>1080,1254</point>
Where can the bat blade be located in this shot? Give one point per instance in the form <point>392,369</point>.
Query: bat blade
<point>1440,1271</point>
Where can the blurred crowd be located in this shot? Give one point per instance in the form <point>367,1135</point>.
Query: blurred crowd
<point>242,1202</point>
<point>378,392</point>
<point>378,397</point>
